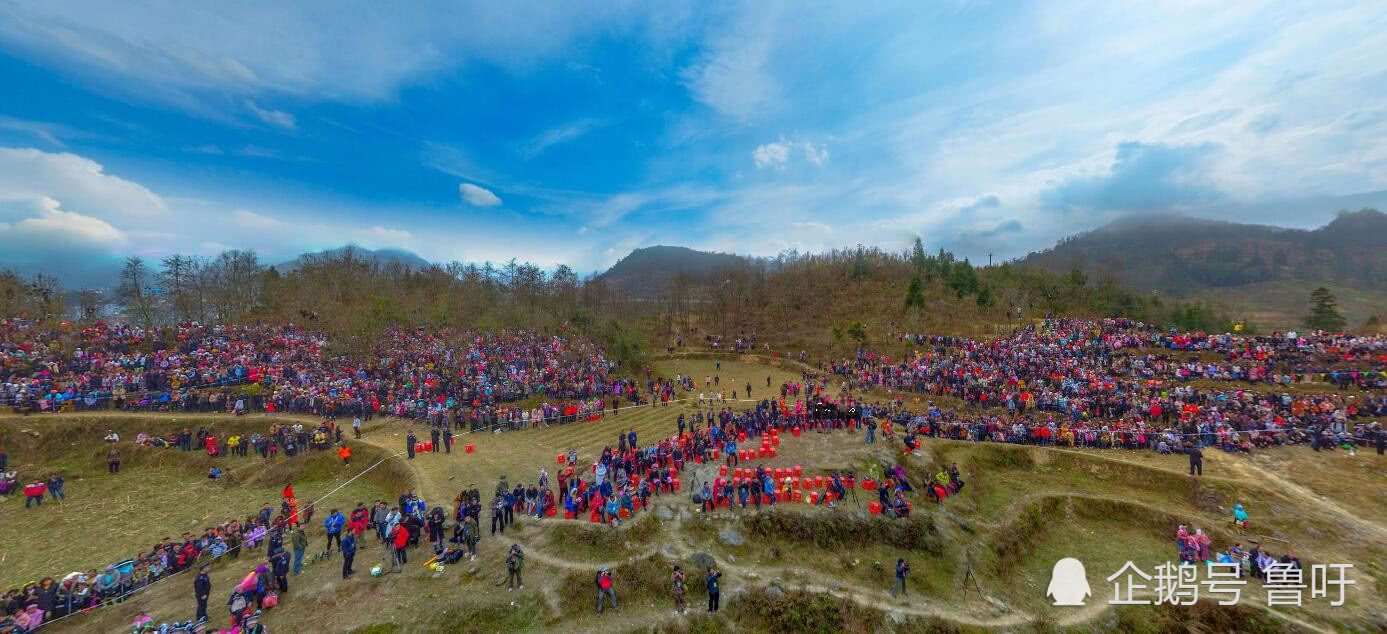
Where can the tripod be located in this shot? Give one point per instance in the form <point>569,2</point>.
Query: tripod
<point>969,579</point>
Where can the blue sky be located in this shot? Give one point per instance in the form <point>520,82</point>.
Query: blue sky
<point>574,132</point>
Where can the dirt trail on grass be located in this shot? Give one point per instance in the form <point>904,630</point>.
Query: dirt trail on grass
<point>1254,472</point>
<point>434,480</point>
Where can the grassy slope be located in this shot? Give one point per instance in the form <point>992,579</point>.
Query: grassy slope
<point>1282,304</point>
<point>1004,483</point>
<point>158,492</point>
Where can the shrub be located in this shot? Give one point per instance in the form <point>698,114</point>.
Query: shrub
<point>804,612</point>
<point>835,530</point>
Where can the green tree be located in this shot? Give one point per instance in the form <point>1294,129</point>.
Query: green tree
<point>985,297</point>
<point>858,332</point>
<point>1077,277</point>
<point>860,266</point>
<point>1324,311</point>
<point>914,297</point>
<point>917,255</point>
<point>963,279</point>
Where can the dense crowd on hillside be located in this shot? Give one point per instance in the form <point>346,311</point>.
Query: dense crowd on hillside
<point>1118,383</point>
<point>191,368</point>
<point>1086,383</point>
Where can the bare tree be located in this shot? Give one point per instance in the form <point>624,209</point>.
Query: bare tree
<point>137,295</point>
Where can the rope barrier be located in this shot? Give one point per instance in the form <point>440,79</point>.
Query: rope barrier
<point>164,578</point>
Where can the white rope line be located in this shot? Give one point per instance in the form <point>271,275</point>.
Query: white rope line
<point>192,565</point>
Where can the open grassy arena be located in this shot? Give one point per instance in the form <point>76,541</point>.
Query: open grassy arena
<point>980,560</point>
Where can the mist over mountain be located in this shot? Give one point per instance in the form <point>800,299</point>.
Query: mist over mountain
<point>1260,269</point>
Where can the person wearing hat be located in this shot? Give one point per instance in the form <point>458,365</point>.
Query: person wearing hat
<point>252,624</point>
<point>202,588</point>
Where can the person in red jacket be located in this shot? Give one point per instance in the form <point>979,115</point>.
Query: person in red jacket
<point>401,541</point>
<point>33,492</point>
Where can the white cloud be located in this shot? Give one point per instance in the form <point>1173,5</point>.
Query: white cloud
<point>771,154</point>
<point>733,75</point>
<point>214,150</point>
<point>194,57</point>
<point>777,154</point>
<point>27,174</point>
<point>561,134</point>
<point>254,220</point>
<point>478,196</point>
<point>387,236</point>
<point>817,155</point>
<point>277,118</point>
<point>54,224</point>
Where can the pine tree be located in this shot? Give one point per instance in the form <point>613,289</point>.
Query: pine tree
<point>1324,312</point>
<point>917,255</point>
<point>914,297</point>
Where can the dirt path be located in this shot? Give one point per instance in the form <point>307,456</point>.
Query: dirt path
<point>1254,472</point>
<point>436,484</point>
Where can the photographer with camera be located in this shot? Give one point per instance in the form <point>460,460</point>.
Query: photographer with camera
<point>902,569</point>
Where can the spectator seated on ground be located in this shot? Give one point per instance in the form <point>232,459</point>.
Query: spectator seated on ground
<point>1239,515</point>
<point>215,473</point>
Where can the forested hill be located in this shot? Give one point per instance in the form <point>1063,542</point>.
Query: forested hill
<point>380,256</point>
<point>1264,268</point>
<point>648,271</point>
<point>1184,255</point>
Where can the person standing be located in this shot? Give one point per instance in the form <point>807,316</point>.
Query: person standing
<point>356,427</point>
<point>55,487</point>
<point>678,582</point>
<point>333,526</point>
<point>498,514</point>
<point>1196,460</point>
<point>113,460</point>
<point>348,553</point>
<point>409,444</point>
<point>448,440</point>
<point>713,592</point>
<point>515,564</point>
<point>299,541</point>
<point>279,566</point>
<point>202,588</point>
<point>902,569</point>
<point>400,541</point>
<point>434,437</point>
<point>1381,439</point>
<point>605,589</point>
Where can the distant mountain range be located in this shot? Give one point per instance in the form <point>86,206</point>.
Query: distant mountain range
<point>382,256</point>
<point>648,271</point>
<point>1266,272</point>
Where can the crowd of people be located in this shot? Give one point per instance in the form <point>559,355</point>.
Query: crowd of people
<point>226,368</point>
<point>1117,383</point>
<point>1109,383</point>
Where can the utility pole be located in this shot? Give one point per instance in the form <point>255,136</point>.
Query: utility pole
<point>989,259</point>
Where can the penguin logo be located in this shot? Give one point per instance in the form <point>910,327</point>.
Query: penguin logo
<point>1069,582</point>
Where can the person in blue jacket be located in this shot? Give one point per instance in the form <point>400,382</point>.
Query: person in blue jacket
<point>333,525</point>
<point>713,593</point>
<point>348,547</point>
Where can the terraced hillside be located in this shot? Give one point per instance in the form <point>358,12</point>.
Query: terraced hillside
<point>798,568</point>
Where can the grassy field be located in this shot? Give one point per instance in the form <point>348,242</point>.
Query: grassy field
<point>1023,509</point>
<point>158,492</point>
